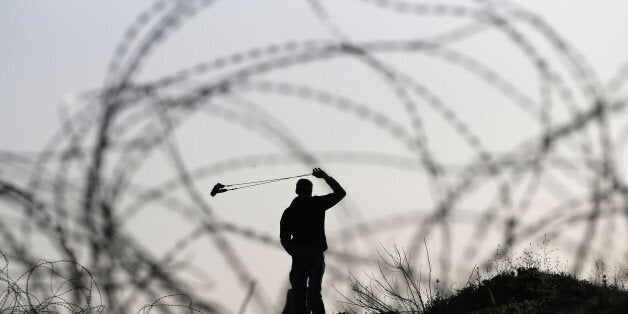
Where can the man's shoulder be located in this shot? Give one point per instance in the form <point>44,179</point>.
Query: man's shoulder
<point>319,200</point>
<point>300,204</point>
<point>290,207</point>
<point>322,198</point>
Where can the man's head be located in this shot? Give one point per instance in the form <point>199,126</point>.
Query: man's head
<point>304,187</point>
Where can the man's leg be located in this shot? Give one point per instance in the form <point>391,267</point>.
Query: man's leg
<point>288,308</point>
<point>298,277</point>
<point>314,296</point>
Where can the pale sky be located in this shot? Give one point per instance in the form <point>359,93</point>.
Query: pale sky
<point>53,51</point>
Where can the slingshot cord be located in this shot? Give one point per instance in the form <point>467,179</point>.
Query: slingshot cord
<point>260,182</point>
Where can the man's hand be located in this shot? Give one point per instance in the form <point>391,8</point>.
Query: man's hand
<point>319,173</point>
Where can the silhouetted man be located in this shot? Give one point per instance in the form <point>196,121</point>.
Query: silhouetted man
<point>303,236</point>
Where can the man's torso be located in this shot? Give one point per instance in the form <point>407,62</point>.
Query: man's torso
<point>306,217</point>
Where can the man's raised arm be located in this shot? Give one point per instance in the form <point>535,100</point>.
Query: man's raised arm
<point>338,193</point>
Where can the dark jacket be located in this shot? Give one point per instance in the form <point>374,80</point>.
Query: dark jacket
<point>302,229</point>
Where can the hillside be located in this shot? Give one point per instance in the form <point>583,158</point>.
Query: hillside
<point>529,290</point>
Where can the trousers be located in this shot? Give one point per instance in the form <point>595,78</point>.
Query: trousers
<point>306,277</point>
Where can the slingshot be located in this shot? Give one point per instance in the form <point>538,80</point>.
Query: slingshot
<point>221,188</point>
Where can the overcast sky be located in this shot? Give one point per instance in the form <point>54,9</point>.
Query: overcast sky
<point>81,36</point>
